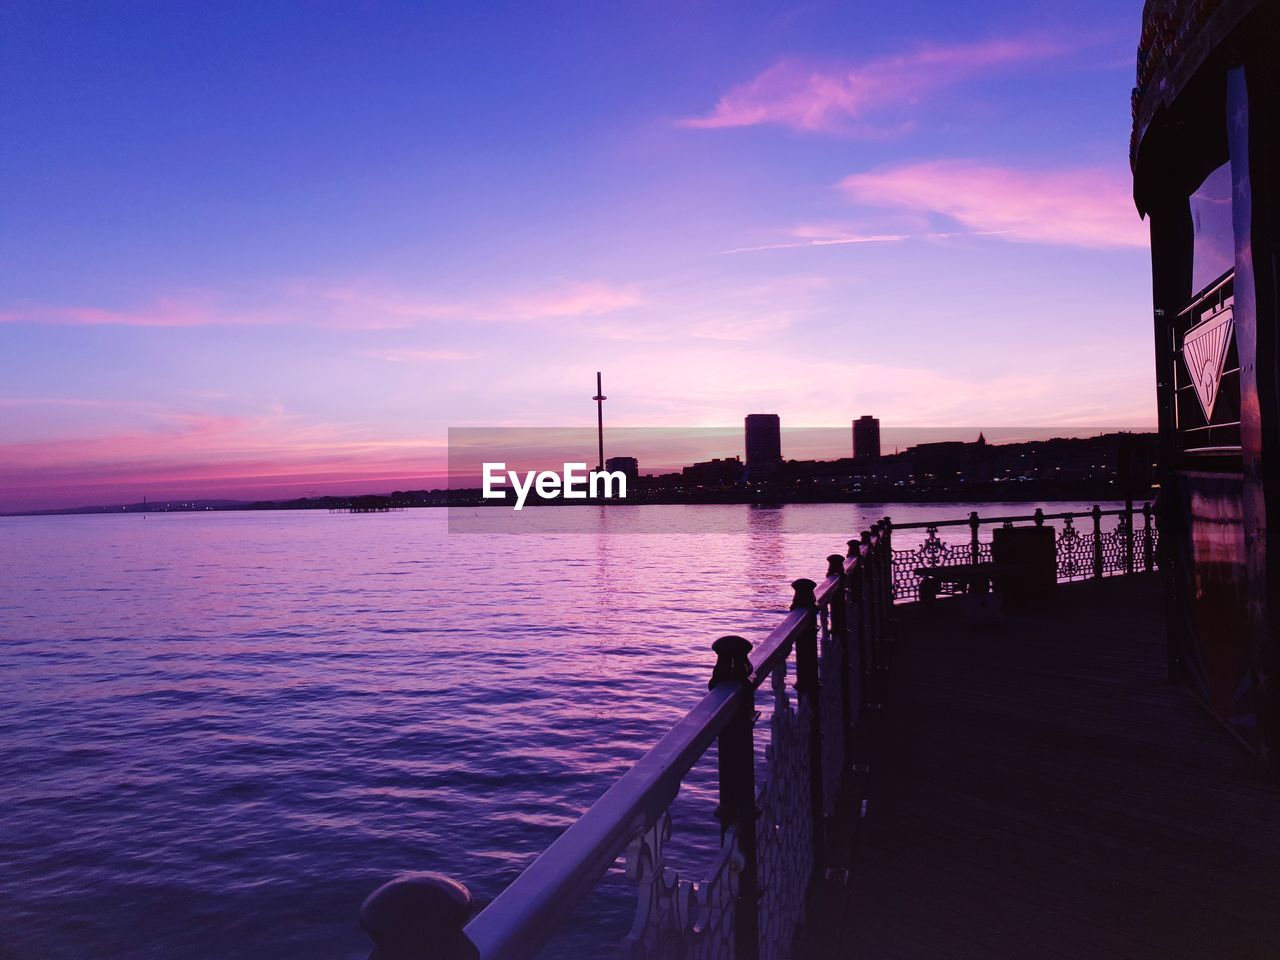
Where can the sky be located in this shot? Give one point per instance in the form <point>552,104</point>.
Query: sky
<point>274,250</point>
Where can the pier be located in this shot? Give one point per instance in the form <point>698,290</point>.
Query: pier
<point>911,765</point>
<point>1040,789</point>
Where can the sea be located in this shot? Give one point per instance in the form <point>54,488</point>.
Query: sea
<point>220,731</point>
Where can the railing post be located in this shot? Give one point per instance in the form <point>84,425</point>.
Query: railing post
<point>808,687</point>
<point>1039,517</point>
<point>1128,535</point>
<point>858,613</point>
<point>1097,542</point>
<point>735,755</point>
<point>1146,537</point>
<point>886,545</point>
<point>870,598</point>
<point>841,632</point>
<point>973,537</point>
<point>877,573</point>
<point>419,915</point>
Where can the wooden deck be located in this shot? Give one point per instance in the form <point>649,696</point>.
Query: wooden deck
<point>1038,789</point>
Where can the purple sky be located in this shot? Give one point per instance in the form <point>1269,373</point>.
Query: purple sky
<point>269,249</point>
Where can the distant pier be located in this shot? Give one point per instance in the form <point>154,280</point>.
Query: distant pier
<point>367,505</point>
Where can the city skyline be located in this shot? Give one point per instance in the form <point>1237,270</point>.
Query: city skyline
<point>217,285</point>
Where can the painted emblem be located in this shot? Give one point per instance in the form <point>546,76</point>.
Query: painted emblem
<point>1204,350</point>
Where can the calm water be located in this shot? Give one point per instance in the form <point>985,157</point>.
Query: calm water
<point>219,732</point>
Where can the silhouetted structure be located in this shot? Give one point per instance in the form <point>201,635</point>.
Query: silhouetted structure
<point>763,445</point>
<point>716,472</point>
<point>600,398</point>
<point>1206,163</point>
<point>629,466</point>
<point>866,439</point>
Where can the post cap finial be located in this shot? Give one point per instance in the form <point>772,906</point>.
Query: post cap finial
<point>866,538</point>
<point>804,594</point>
<point>732,664</point>
<point>835,565</point>
<point>853,547</point>
<point>419,916</point>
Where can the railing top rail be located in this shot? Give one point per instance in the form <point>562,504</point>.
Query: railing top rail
<point>532,908</point>
<point>525,916</point>
<point>827,591</point>
<point>966,521</point>
<point>777,645</point>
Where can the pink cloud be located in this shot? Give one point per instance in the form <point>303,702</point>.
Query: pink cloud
<point>348,307</point>
<point>1084,208</point>
<point>415,355</point>
<point>572,300</point>
<point>191,454</point>
<point>803,96</point>
<point>164,312</point>
<point>568,300</point>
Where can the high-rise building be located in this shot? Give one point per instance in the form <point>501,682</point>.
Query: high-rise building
<point>866,438</point>
<point>764,445</point>
<point>629,466</point>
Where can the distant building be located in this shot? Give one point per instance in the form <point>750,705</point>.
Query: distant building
<point>866,439</point>
<point>711,473</point>
<point>764,445</point>
<point>629,466</point>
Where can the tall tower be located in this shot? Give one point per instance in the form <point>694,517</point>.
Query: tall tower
<point>600,398</point>
<point>764,445</point>
<point>866,438</point>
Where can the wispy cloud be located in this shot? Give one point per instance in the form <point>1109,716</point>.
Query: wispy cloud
<point>415,355</point>
<point>175,452</point>
<point>821,236</point>
<point>371,306</point>
<point>572,300</point>
<point>350,307</point>
<point>1083,208</point>
<point>848,98</point>
<point>188,310</point>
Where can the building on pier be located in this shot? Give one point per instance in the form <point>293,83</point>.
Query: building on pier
<point>1206,162</point>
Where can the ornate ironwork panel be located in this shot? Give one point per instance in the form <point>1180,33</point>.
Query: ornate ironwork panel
<point>1075,554</point>
<point>1115,549</point>
<point>784,833</point>
<point>934,552</point>
<point>831,667</point>
<point>677,919</point>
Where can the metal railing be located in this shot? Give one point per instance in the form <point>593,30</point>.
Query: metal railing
<point>1079,554</point>
<point>747,903</point>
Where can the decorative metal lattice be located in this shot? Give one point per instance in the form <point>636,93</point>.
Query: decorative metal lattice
<point>831,665</point>
<point>784,833</point>
<point>1077,554</point>
<point>932,553</point>
<point>677,919</point>
<point>1116,544</point>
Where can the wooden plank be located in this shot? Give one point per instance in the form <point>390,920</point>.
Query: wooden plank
<point>1038,790</point>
